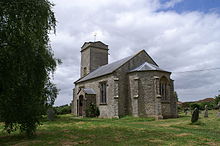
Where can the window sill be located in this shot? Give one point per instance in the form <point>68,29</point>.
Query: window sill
<point>165,101</point>
<point>103,104</point>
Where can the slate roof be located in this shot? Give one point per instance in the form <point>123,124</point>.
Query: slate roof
<point>89,91</point>
<point>147,66</point>
<point>105,69</point>
<point>97,44</point>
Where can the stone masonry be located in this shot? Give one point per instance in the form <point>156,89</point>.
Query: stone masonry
<point>134,85</point>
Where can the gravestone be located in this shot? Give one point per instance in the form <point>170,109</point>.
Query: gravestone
<point>51,114</point>
<point>195,115</point>
<point>206,112</point>
<point>186,110</point>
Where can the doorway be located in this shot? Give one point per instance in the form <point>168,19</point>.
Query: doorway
<point>80,105</point>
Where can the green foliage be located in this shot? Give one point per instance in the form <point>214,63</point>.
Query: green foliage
<point>92,110</point>
<point>26,63</point>
<point>65,109</point>
<point>209,104</point>
<point>70,130</point>
<point>217,99</point>
<point>195,105</point>
<point>185,105</point>
<point>195,115</point>
<point>176,96</point>
<point>198,123</point>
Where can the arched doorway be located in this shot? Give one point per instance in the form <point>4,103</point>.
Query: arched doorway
<point>80,105</point>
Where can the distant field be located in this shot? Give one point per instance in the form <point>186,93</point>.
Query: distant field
<point>69,130</point>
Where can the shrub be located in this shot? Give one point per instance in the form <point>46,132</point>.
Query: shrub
<point>64,109</point>
<point>195,105</point>
<point>92,110</point>
<point>210,105</point>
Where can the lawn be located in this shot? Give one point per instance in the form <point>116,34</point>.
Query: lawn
<point>69,130</point>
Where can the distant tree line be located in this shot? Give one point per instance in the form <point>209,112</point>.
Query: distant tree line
<point>200,105</point>
<point>64,109</point>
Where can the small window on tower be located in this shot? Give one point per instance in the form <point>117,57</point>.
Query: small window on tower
<point>84,71</point>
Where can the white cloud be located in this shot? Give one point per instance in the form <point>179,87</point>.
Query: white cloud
<point>170,4</point>
<point>177,42</point>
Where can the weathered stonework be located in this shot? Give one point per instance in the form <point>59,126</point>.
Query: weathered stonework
<point>106,110</point>
<point>93,55</point>
<point>133,86</point>
<point>150,103</point>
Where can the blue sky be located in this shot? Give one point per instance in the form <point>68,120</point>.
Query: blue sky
<point>204,6</point>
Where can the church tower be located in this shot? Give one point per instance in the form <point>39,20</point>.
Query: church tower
<point>93,55</point>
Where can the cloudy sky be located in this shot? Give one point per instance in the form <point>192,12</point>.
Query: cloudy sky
<point>180,35</point>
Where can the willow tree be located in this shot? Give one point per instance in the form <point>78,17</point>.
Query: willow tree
<point>26,63</point>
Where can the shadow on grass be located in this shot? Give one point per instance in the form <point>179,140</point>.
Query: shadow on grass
<point>72,119</point>
<point>198,123</point>
<point>97,136</point>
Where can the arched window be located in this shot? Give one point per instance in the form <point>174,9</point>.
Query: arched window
<point>102,86</point>
<point>164,88</point>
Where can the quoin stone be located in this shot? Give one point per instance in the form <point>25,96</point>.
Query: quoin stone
<point>134,85</point>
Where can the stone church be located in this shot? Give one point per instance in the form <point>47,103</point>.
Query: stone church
<point>134,85</point>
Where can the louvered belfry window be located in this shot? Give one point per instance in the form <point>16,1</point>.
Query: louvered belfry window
<point>103,92</point>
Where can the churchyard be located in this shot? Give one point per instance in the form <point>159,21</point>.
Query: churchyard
<point>69,130</point>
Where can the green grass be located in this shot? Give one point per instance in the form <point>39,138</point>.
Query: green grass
<point>69,130</point>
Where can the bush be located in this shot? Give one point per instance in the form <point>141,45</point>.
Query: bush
<point>210,105</point>
<point>195,105</point>
<point>92,111</point>
<point>64,109</point>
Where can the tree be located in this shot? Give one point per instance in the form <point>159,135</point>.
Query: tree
<point>217,99</point>
<point>176,96</point>
<point>26,63</point>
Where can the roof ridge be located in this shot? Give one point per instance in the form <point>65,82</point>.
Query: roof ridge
<point>110,68</point>
<point>142,65</point>
<point>146,66</point>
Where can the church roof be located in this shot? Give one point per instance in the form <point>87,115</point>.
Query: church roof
<point>97,44</point>
<point>105,69</point>
<point>89,91</point>
<point>146,67</point>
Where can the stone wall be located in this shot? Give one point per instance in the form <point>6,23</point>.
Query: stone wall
<point>110,109</point>
<point>173,101</point>
<point>147,101</point>
<point>121,73</point>
<point>98,57</point>
<point>85,61</point>
<point>130,93</point>
<point>146,96</point>
<point>92,57</point>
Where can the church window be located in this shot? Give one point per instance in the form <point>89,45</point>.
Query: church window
<point>103,92</point>
<point>164,88</point>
